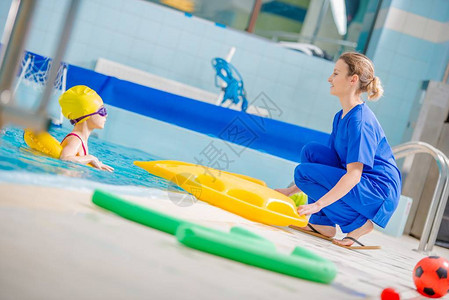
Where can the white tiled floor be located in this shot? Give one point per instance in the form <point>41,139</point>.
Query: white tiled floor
<point>56,244</point>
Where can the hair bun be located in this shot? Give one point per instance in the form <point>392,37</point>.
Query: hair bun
<point>374,89</point>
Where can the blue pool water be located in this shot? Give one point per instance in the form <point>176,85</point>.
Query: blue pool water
<point>21,164</point>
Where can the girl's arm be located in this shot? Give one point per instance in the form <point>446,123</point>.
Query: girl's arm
<point>343,186</point>
<point>70,150</point>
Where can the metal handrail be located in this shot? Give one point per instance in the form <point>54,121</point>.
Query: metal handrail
<point>17,27</point>
<point>440,195</point>
<point>15,35</point>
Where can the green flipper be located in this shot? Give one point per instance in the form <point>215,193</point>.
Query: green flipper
<point>239,244</point>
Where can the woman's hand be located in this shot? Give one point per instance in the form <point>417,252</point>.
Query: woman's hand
<point>343,186</point>
<point>309,209</point>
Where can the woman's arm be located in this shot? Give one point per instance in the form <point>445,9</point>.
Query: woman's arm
<point>343,186</point>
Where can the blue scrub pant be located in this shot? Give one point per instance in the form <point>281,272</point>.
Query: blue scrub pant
<point>318,172</point>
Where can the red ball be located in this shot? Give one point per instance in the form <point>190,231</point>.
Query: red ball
<point>431,276</point>
<point>389,294</point>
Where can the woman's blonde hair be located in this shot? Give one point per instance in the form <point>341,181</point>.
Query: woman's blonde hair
<point>362,66</point>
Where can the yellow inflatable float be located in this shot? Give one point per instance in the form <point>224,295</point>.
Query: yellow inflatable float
<point>239,194</point>
<point>43,142</point>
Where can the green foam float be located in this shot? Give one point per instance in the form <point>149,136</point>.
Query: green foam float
<point>239,244</point>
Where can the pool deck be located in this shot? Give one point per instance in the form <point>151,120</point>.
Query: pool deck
<point>56,244</point>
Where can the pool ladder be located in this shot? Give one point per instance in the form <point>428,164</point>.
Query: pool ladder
<point>15,35</point>
<point>440,195</point>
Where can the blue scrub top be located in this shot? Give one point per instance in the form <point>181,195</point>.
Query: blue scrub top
<point>358,137</point>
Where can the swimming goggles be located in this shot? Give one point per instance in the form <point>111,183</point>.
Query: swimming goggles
<point>102,112</point>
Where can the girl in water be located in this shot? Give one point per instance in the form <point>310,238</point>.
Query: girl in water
<point>85,110</point>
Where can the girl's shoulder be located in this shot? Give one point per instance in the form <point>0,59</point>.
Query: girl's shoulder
<point>72,136</point>
<point>74,139</point>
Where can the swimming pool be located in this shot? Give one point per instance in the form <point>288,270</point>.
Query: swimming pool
<point>171,127</point>
<point>132,135</point>
<point>18,163</point>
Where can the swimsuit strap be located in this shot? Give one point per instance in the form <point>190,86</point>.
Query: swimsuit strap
<point>82,143</point>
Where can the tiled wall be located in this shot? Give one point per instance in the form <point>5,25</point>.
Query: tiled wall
<point>168,43</point>
<point>410,44</point>
<point>437,10</point>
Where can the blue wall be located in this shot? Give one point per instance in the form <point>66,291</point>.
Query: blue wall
<point>167,43</point>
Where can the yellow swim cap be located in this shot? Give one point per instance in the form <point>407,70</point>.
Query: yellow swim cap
<point>79,101</point>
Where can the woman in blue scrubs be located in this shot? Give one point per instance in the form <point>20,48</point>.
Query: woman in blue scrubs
<point>353,181</point>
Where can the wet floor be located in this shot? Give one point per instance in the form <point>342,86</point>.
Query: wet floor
<point>55,243</point>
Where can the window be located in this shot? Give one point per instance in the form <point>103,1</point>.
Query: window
<point>322,28</point>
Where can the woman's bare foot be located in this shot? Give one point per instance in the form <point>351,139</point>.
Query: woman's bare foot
<point>328,231</point>
<point>356,234</point>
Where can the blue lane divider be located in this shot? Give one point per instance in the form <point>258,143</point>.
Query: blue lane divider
<point>264,134</point>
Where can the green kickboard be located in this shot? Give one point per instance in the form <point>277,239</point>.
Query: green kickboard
<point>239,244</point>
